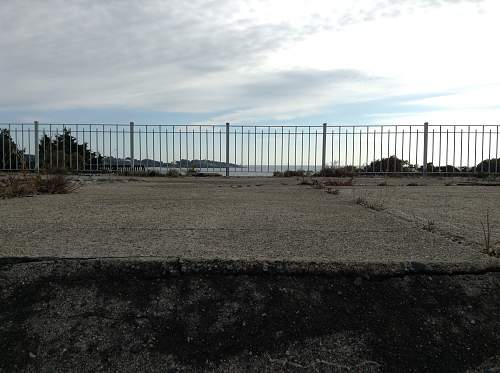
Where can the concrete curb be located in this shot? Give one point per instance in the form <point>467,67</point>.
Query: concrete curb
<point>147,267</point>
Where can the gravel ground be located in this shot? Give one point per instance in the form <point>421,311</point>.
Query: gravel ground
<point>252,218</point>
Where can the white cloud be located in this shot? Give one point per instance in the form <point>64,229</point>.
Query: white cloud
<point>252,60</point>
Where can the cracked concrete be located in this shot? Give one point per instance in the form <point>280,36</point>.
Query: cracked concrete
<point>247,274</point>
<point>249,218</point>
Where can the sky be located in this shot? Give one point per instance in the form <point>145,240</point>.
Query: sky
<point>250,61</point>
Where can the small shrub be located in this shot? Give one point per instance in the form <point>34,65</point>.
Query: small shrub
<point>153,173</point>
<point>361,201</point>
<point>173,172</point>
<point>57,184</point>
<point>346,171</point>
<point>429,226</point>
<point>383,183</point>
<point>338,182</point>
<point>317,184</point>
<point>490,248</point>
<point>305,181</point>
<point>15,186</point>
<point>332,191</point>
<point>191,171</point>
<point>412,184</point>
<point>23,186</point>
<point>290,173</point>
<point>370,204</point>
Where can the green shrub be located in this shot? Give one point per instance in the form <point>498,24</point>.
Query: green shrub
<point>290,173</point>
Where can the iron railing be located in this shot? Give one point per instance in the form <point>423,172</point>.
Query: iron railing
<point>251,150</point>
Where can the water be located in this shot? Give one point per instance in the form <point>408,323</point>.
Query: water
<point>252,170</point>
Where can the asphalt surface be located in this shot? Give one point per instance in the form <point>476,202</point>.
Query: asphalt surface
<point>252,219</point>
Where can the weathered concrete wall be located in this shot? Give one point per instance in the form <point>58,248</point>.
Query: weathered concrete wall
<point>155,315</point>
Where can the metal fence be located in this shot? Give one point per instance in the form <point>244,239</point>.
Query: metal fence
<point>251,150</point>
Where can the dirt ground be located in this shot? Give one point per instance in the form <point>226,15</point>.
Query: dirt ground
<point>425,220</point>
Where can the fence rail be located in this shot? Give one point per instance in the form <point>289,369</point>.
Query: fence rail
<point>251,150</point>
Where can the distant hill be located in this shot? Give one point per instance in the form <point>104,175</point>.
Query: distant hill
<point>184,163</point>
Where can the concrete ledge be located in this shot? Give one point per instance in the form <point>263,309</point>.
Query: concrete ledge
<point>147,267</point>
<point>168,314</point>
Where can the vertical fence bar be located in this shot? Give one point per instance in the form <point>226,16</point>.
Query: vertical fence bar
<point>295,147</point>
<point>255,149</point>
<point>446,157</point>
<point>37,153</point>
<point>468,147</point>
<point>496,153</point>
<point>275,151</point>
<point>489,153</point>
<point>261,149</point>
<point>103,147</point>
<point>110,150</point>
<point>482,151</point>
<point>454,147</point>
<point>367,146</point>
<point>323,152</point>
<point>352,158</point>
<point>395,148</point>
<point>57,147</point>
<point>381,147</point>
<point>29,149</point>
<point>227,149</point>
<point>288,151</point>
<point>416,154</point>
<point>268,146</point>
<point>123,148</point>
<point>388,150</point>
<point>315,150</point>
<point>302,148</point>
<point>160,142</point>
<point>132,145</point>
<point>461,149</point>
<point>409,148</point>
<point>475,150</point>
<point>281,158</point>
<point>426,145</point>
<point>440,147</point>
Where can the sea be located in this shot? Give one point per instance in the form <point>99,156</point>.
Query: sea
<point>251,170</point>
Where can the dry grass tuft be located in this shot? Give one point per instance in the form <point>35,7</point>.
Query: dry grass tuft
<point>490,248</point>
<point>370,204</point>
<point>331,182</point>
<point>429,226</point>
<point>28,185</point>
<point>17,186</point>
<point>59,184</point>
<point>292,173</point>
<point>332,191</point>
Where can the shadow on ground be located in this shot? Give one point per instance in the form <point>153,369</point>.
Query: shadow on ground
<point>131,316</point>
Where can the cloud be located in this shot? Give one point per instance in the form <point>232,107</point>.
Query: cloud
<point>242,59</point>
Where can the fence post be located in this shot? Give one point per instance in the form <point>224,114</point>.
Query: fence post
<point>37,154</point>
<point>426,139</point>
<point>323,153</point>
<point>227,149</point>
<point>131,146</point>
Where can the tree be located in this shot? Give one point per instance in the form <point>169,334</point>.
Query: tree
<point>11,157</point>
<point>64,152</point>
<point>391,164</point>
<point>489,166</point>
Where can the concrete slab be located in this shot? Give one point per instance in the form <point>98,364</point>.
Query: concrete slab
<point>235,218</point>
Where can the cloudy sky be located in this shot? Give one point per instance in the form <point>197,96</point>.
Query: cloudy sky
<point>251,61</point>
